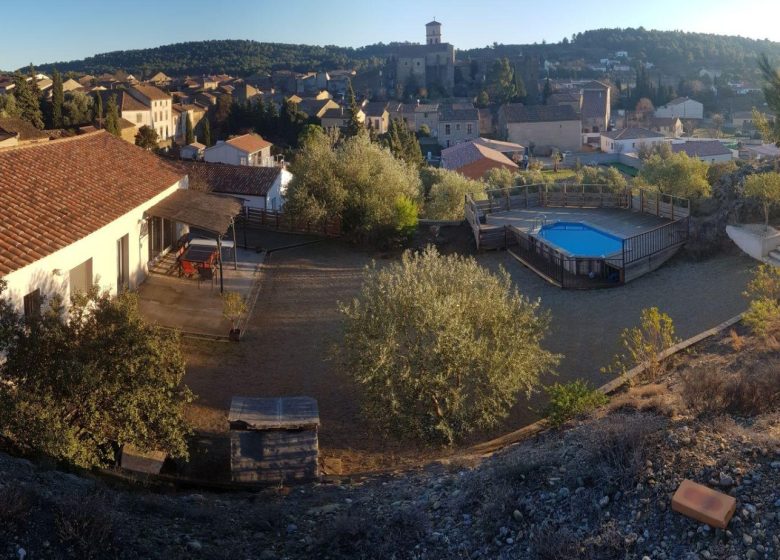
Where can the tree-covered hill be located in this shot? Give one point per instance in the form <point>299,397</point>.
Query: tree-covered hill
<point>675,53</point>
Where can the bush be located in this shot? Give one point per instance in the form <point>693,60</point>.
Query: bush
<point>79,383</point>
<point>355,180</point>
<point>620,447</point>
<point>86,526</point>
<point>445,193</point>
<point>608,177</point>
<point>441,347</point>
<point>745,393</point>
<point>644,344</point>
<point>572,399</point>
<point>763,314</point>
<point>677,175</point>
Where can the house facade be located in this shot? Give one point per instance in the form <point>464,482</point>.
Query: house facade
<point>473,160</point>
<point>709,151</point>
<point>595,107</point>
<point>248,149</point>
<point>107,238</point>
<point>377,116</point>
<point>668,126</point>
<point>629,140</point>
<point>160,105</point>
<point>457,125</point>
<point>431,65</point>
<point>541,126</point>
<point>682,108</point>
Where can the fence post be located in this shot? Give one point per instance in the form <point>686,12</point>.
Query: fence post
<point>526,196</point>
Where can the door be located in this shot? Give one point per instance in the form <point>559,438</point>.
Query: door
<point>123,263</point>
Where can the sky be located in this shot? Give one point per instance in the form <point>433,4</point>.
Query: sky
<point>43,31</point>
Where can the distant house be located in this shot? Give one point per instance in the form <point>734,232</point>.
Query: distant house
<point>377,116</point>
<point>571,98</point>
<point>338,118</point>
<point>541,126</point>
<point>192,151</point>
<point>130,108</point>
<point>668,126</point>
<point>71,85</point>
<point>160,79</point>
<point>426,114</point>
<point>316,108</point>
<point>761,152</point>
<point>595,107</point>
<point>628,140</point>
<point>509,149</point>
<point>473,160</point>
<point>180,113</point>
<point>744,119</point>
<point>248,149</point>
<point>682,108</point>
<point>402,112</point>
<point>104,187</point>
<point>457,124</point>
<point>710,151</point>
<point>14,131</point>
<point>160,105</point>
<point>257,187</point>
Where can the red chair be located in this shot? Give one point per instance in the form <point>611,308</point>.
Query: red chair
<point>186,268</point>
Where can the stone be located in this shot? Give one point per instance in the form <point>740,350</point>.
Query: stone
<point>517,516</point>
<point>194,545</point>
<point>747,539</point>
<point>604,501</point>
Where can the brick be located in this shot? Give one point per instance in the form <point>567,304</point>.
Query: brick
<point>704,504</point>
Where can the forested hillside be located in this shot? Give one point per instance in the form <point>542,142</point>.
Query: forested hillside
<point>674,53</point>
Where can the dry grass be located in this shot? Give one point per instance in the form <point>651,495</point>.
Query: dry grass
<point>654,397</point>
<point>15,504</point>
<point>749,391</point>
<point>736,341</point>
<point>86,527</point>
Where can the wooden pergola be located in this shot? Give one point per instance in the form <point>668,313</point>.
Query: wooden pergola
<point>214,214</point>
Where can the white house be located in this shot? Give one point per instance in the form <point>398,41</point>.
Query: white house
<point>257,187</point>
<point>161,107</point>
<point>682,108</point>
<point>628,140</point>
<point>710,151</point>
<point>74,213</point>
<point>248,149</point>
<point>192,151</point>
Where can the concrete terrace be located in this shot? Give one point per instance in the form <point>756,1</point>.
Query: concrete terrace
<point>182,304</point>
<point>619,222</point>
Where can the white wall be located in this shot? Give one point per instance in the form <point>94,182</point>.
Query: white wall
<point>51,273</point>
<point>222,152</point>
<point>610,146</point>
<point>689,109</point>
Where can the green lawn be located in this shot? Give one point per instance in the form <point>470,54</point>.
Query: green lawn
<point>623,168</point>
<point>562,173</point>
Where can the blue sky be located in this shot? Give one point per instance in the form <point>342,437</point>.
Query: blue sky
<point>42,31</point>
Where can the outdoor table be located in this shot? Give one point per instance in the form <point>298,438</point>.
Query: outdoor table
<point>199,254</point>
<point>205,242</point>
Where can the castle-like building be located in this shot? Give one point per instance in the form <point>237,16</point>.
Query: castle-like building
<point>431,65</point>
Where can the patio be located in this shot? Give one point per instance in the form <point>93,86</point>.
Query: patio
<point>193,307</point>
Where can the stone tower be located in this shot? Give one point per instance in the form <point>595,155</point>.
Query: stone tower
<point>433,33</point>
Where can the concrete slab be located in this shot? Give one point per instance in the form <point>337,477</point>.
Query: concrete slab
<point>182,304</point>
<point>622,223</point>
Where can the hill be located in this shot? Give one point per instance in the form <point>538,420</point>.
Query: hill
<point>674,53</point>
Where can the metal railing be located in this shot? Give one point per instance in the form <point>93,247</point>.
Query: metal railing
<point>656,240</point>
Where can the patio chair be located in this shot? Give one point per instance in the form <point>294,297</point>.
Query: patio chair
<point>186,268</point>
<point>205,273</point>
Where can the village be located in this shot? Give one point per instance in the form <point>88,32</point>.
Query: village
<point>415,267</point>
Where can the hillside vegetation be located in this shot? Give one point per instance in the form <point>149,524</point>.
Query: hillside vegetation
<point>674,52</point>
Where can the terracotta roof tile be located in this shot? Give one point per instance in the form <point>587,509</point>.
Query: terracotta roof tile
<point>463,154</point>
<point>249,143</point>
<point>229,179</point>
<point>55,193</point>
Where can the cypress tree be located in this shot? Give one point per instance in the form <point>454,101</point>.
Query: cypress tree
<point>98,109</point>
<point>57,99</point>
<point>27,102</point>
<point>547,92</point>
<point>354,126</point>
<point>112,116</point>
<point>206,132</point>
<point>189,137</point>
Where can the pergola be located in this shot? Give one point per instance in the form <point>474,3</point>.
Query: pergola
<point>208,212</point>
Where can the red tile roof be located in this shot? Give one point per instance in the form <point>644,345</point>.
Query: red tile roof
<point>58,192</point>
<point>460,155</point>
<point>249,143</point>
<point>151,92</point>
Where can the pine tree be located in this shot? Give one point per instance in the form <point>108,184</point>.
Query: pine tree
<point>206,133</point>
<point>520,91</point>
<point>27,102</point>
<point>112,116</point>
<point>189,136</point>
<point>354,126</point>
<point>57,99</point>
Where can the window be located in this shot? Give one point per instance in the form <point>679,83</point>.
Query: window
<point>446,130</point>
<point>81,277</point>
<point>32,305</point>
<point>123,263</point>
<point>468,128</point>
<point>138,117</point>
<point>457,127</point>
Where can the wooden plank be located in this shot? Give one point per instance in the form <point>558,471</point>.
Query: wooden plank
<point>256,413</point>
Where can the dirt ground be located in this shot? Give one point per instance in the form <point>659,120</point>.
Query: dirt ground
<point>286,347</point>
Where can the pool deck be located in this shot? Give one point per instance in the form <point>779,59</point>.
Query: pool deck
<point>618,222</point>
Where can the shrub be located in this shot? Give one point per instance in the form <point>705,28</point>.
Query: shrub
<point>746,392</point>
<point>765,187</point>
<point>619,449</point>
<point>609,178</point>
<point>79,383</point>
<point>644,344</point>
<point>677,174</point>
<point>86,526</point>
<point>440,346</point>
<point>445,193</point>
<point>763,290</point>
<point>572,399</point>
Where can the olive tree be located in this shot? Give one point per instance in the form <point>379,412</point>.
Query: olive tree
<point>78,383</point>
<point>445,193</point>
<point>441,347</point>
<point>677,175</point>
<point>764,187</point>
<point>356,180</point>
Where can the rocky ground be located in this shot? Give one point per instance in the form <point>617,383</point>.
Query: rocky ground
<point>599,488</point>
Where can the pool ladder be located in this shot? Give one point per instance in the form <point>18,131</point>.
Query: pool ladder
<point>539,222</point>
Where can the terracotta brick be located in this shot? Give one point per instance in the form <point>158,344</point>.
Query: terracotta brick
<point>704,504</point>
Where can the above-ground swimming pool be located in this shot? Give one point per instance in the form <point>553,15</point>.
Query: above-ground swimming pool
<point>580,240</point>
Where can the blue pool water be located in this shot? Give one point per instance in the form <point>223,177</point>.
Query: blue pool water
<point>580,240</point>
